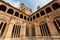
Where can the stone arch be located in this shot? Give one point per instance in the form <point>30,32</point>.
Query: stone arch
<point>25,17</point>
<point>55,6</point>
<point>42,13</point>
<point>56,17</point>
<point>10,11</point>
<point>3,8</point>
<point>21,16</point>
<point>16,14</point>
<point>4,18</point>
<point>48,9</point>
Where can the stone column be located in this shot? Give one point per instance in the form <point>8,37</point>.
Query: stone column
<point>10,28</point>
<point>23,30</point>
<point>37,30</point>
<point>30,30</point>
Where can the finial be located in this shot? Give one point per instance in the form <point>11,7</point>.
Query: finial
<point>38,7</point>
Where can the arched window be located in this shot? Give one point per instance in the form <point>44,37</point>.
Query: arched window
<point>37,15</point>
<point>42,13</point>
<point>48,10</point>
<point>10,11</point>
<point>2,26</point>
<point>21,16</point>
<point>16,14</point>
<point>25,17</point>
<point>33,17</point>
<point>44,29</point>
<point>57,23</point>
<point>3,8</point>
<point>27,30</point>
<point>33,30</point>
<point>55,6</point>
<point>16,31</point>
<point>28,19</point>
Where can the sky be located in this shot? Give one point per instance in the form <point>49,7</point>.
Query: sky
<point>32,4</point>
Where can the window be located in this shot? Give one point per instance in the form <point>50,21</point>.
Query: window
<point>48,10</point>
<point>37,15</point>
<point>33,30</point>
<point>21,16</point>
<point>44,29</point>
<point>25,17</point>
<point>27,30</point>
<point>57,23</point>
<point>2,26</point>
<point>33,17</point>
<point>28,19</point>
<point>10,11</point>
<point>16,14</point>
<point>16,31</point>
<point>42,13</point>
<point>2,8</point>
<point>55,6</point>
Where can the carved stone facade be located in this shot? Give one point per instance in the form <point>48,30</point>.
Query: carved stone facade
<point>44,24</point>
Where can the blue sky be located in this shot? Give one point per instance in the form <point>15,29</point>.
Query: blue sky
<point>32,4</point>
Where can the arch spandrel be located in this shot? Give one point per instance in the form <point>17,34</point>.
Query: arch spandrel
<point>3,18</point>
<point>56,17</point>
